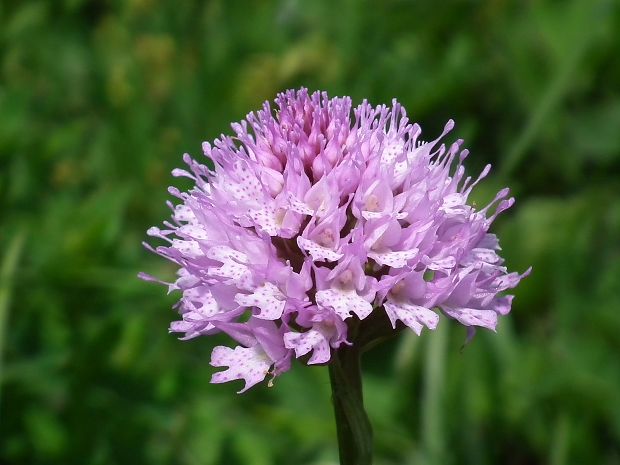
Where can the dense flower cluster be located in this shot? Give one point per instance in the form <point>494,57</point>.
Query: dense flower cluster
<point>317,215</point>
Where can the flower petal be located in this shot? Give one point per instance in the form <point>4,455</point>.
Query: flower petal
<point>298,206</point>
<point>396,259</point>
<point>344,302</point>
<point>473,316</point>
<point>250,364</point>
<point>318,252</point>
<point>413,316</point>
<point>231,268</point>
<point>441,264</point>
<point>302,343</point>
<point>266,219</point>
<point>268,298</point>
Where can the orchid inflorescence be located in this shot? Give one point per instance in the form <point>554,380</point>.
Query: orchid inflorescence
<point>316,221</point>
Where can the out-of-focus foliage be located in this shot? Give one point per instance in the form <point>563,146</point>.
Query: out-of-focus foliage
<point>98,100</point>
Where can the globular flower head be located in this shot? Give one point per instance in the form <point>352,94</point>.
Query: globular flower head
<point>317,216</point>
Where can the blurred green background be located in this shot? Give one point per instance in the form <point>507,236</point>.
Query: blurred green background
<point>98,100</point>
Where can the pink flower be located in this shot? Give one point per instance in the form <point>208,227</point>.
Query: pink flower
<point>315,216</point>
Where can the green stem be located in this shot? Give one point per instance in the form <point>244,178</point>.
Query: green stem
<point>352,424</point>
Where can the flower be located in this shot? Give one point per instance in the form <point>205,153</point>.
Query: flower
<point>316,216</point>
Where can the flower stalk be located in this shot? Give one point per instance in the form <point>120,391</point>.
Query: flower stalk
<point>352,424</point>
